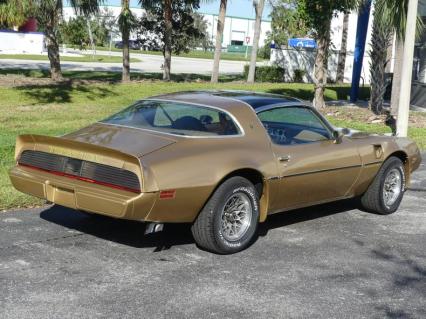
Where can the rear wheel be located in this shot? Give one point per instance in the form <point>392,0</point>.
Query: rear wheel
<point>229,219</point>
<point>384,195</point>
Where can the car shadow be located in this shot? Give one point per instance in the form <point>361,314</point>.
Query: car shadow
<point>131,233</point>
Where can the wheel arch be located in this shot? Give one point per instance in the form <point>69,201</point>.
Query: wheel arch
<point>404,158</point>
<point>259,183</point>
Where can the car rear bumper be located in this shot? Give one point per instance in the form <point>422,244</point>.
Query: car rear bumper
<point>82,195</point>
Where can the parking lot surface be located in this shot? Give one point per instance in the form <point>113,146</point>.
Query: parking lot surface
<point>328,261</point>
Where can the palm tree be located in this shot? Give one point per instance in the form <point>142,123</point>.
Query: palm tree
<point>219,35</point>
<point>126,22</point>
<point>258,8</point>
<point>13,13</point>
<point>343,49</point>
<point>380,41</point>
<point>390,15</point>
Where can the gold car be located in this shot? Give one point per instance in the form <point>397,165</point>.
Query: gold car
<point>220,160</point>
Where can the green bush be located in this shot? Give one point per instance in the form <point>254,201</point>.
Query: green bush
<point>298,75</point>
<point>266,73</point>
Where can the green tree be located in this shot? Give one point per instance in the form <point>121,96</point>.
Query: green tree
<point>74,31</point>
<point>318,15</point>
<point>181,28</point>
<point>14,13</point>
<point>201,39</point>
<point>286,22</point>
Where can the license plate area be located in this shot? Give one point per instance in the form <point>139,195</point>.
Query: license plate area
<point>60,195</point>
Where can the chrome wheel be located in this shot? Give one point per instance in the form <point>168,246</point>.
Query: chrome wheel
<point>392,187</point>
<point>236,216</point>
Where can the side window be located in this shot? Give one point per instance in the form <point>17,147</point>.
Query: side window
<point>293,125</point>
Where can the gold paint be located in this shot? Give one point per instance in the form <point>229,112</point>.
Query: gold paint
<point>194,167</point>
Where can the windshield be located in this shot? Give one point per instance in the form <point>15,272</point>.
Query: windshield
<point>175,118</point>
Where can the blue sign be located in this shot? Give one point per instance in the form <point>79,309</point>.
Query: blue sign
<point>302,43</point>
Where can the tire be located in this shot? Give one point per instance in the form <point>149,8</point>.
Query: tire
<point>212,230</point>
<point>374,199</point>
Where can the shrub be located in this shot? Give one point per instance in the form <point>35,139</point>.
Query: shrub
<point>266,73</point>
<point>298,75</point>
<point>264,52</point>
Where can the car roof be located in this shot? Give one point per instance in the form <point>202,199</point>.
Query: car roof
<point>221,98</point>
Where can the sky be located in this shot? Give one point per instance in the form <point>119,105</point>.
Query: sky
<point>237,8</point>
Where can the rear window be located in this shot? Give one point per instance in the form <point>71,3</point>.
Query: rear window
<point>176,118</point>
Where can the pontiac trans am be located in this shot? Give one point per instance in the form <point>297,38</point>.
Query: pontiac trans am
<point>220,160</point>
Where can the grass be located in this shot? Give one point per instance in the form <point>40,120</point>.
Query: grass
<point>55,109</point>
<point>86,58</point>
<point>229,56</point>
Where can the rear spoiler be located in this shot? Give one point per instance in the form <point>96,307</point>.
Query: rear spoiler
<point>80,150</point>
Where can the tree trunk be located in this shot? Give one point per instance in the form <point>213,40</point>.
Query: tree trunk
<point>258,7</point>
<point>125,34</point>
<point>320,78</point>
<point>342,54</point>
<point>396,82</point>
<point>380,40</point>
<point>53,54</point>
<point>167,39</point>
<point>219,35</point>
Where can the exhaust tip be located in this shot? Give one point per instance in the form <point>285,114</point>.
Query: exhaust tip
<point>153,228</point>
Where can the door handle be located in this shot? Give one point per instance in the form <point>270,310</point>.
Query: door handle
<point>285,158</point>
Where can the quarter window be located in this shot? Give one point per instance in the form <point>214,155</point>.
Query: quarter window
<point>294,125</point>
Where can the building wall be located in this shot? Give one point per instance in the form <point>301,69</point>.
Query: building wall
<point>236,28</point>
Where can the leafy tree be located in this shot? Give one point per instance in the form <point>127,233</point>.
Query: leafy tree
<point>201,39</point>
<point>13,13</point>
<point>75,31</point>
<point>219,37</point>
<point>181,27</point>
<point>318,15</point>
<point>286,22</point>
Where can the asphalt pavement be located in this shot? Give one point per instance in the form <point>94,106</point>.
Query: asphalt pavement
<point>328,261</point>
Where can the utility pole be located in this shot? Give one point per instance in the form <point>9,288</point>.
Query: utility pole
<point>407,70</point>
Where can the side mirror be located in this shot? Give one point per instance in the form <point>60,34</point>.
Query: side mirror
<point>337,137</point>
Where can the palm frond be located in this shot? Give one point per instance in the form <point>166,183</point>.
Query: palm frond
<point>394,13</point>
<point>86,7</point>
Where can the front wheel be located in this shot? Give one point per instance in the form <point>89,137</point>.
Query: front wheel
<point>229,219</point>
<point>385,193</point>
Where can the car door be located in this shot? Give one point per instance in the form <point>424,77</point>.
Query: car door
<point>312,166</point>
